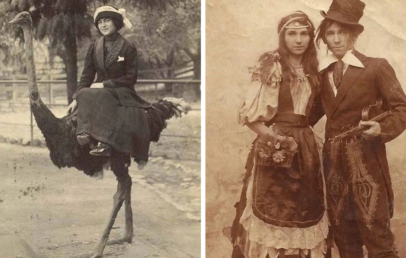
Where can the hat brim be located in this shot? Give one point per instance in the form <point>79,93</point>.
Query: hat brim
<point>108,14</point>
<point>342,20</point>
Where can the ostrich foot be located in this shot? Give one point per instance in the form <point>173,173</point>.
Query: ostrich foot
<point>121,240</point>
<point>141,164</point>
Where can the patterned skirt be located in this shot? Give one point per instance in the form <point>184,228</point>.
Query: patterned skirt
<point>283,209</point>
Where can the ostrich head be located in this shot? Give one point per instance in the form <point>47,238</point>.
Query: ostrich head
<point>21,19</point>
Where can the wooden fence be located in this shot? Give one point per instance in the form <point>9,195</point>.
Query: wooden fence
<point>14,94</point>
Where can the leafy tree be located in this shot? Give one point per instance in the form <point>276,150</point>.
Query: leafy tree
<point>168,37</point>
<point>166,31</point>
<point>64,23</point>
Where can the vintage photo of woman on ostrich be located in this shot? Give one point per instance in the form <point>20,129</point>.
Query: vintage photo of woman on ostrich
<point>108,124</point>
<point>317,169</point>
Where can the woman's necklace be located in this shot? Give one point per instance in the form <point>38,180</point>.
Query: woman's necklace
<point>298,71</point>
<point>294,66</point>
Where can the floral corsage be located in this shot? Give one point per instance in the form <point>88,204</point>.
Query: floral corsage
<point>275,151</point>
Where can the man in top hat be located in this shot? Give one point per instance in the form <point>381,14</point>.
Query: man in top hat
<point>359,191</point>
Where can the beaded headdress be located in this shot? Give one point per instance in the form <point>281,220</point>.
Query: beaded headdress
<point>285,22</point>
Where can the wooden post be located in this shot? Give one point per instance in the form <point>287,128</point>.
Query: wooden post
<point>156,91</point>
<point>50,94</point>
<point>31,126</point>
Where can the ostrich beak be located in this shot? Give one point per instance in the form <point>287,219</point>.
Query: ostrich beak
<point>13,21</point>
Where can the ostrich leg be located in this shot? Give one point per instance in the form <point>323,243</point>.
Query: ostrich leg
<point>128,234</point>
<point>123,190</point>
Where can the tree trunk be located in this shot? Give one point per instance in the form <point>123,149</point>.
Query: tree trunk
<point>197,63</point>
<point>197,72</point>
<point>71,66</point>
<point>169,64</point>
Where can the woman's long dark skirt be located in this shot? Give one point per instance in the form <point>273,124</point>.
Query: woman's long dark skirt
<point>124,128</point>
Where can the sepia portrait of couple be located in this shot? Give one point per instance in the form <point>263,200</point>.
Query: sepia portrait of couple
<point>319,86</point>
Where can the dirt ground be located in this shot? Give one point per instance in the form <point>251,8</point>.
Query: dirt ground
<point>47,212</point>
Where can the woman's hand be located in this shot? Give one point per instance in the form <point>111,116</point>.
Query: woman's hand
<point>97,85</point>
<point>72,107</point>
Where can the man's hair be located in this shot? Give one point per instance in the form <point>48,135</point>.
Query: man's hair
<point>326,23</point>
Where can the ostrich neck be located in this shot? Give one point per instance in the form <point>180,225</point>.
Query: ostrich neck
<point>29,59</point>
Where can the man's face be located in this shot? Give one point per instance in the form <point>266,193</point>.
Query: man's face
<point>338,40</point>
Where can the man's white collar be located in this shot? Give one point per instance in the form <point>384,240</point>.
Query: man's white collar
<point>349,58</point>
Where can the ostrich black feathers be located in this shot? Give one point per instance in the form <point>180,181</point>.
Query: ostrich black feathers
<point>60,134</point>
<point>60,138</point>
<point>163,110</point>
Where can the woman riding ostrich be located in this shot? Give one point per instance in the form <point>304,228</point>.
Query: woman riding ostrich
<point>107,112</point>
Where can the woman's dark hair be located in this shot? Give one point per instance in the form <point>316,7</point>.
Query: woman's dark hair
<point>110,12</point>
<point>326,23</point>
<point>117,23</point>
<point>309,59</point>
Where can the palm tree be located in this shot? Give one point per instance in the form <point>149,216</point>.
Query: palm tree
<point>60,139</point>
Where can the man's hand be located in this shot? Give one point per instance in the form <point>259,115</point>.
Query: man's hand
<point>373,131</point>
<point>97,85</point>
<point>72,107</point>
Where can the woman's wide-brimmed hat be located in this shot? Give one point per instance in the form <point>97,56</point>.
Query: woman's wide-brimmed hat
<point>348,12</point>
<point>108,11</point>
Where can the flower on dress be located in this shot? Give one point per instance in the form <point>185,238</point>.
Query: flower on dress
<point>276,150</point>
<point>278,156</point>
<point>263,155</point>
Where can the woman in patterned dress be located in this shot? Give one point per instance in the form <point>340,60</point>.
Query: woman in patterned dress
<point>281,212</point>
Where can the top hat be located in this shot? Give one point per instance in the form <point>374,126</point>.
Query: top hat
<point>346,11</point>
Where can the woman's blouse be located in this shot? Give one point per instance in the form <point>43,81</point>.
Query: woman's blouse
<point>261,103</point>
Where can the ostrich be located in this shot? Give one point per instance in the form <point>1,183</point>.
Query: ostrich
<point>64,150</point>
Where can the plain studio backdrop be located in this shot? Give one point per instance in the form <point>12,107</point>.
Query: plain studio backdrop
<point>237,33</point>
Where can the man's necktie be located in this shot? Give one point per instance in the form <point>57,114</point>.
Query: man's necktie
<point>338,72</point>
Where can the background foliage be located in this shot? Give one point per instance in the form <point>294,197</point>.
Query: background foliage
<point>166,33</point>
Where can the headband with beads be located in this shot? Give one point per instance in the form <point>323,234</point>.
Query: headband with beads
<point>296,25</point>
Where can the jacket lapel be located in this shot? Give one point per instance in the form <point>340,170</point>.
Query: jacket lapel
<point>349,78</point>
<point>327,92</point>
<point>99,52</point>
<point>112,57</point>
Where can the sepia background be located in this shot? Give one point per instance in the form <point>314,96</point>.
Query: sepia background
<point>237,33</point>
<point>51,212</point>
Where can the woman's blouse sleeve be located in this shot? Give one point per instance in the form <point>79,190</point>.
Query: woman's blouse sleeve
<point>89,72</point>
<point>261,101</point>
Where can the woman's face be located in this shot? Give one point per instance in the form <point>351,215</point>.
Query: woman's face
<point>106,26</point>
<point>297,40</point>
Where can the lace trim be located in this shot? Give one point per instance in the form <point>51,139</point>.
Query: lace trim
<point>267,238</point>
<point>255,250</point>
